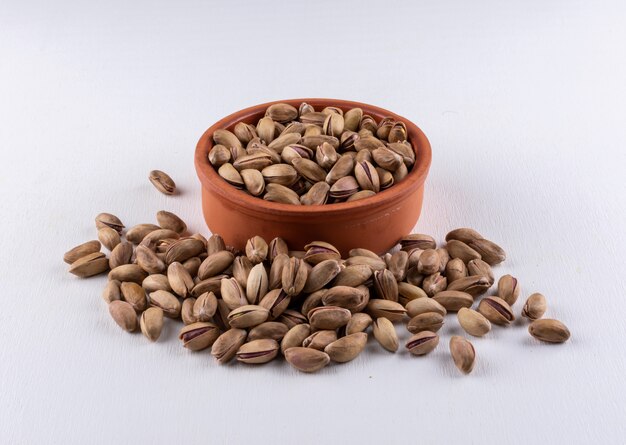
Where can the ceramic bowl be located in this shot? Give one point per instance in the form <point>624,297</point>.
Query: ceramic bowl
<point>375,223</point>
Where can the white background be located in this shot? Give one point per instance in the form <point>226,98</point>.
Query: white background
<point>524,104</point>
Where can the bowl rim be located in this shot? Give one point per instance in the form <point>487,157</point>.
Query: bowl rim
<point>211,180</point>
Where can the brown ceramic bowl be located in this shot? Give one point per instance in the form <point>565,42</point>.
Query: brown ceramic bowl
<point>375,223</point>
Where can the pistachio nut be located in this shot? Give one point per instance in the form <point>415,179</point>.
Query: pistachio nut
<point>398,132</point>
<point>81,250</point>
<point>373,263</point>
<point>456,269</point>
<point>219,155</point>
<point>326,156</point>
<point>306,359</point>
<point>90,265</point>
<point>121,254</point>
<point>156,282</point>
<point>352,119</point>
<point>257,284</point>
<point>123,314</point>
<point>496,310</point>
<point>328,317</point>
<point>432,284</point>
<point>109,237</point>
<point>353,275</point>
<point>186,311</point>
<point>463,234</point>
<point>535,307</point>
<point>320,339</point>
<point>427,321</point>
<point>275,301</point>
<point>490,252</point>
<point>458,249</point>
<point>344,188</point>
<point>313,300</point>
<point>318,251</point>
<point>385,334</point>
<point>295,337</point>
<point>268,329</point>
<point>408,292</point>
<point>213,284</point>
<point>417,240</point>
<point>453,300</point>
<point>258,351</point>
<point>276,270</point>
<point>549,331</point>
<point>134,294</point>
<point>180,280</point>
<point>322,274</point>
<point>422,343</point>
<point>463,354</point>
<point>333,124</point>
<point>405,150</point>
<point>398,264</point>
<point>508,289</point>
<point>284,140</point>
<point>205,307</point>
<point>137,233</point>
<point>226,138</point>
<point>244,132</point>
<point>230,174</point>
<point>385,177</point>
<point>424,305</point>
<point>351,298</point>
<point>167,302</point>
<point>109,220</point>
<point>111,291</point>
<point>162,182</point>
<point>281,194</point>
<point>474,285</point>
<point>227,344</point>
<point>392,310</point>
<point>198,336</point>
<point>346,348</point>
<point>316,195</point>
<point>151,323</point>
<point>315,141</point>
<point>215,264</point>
<point>474,323</point>
<point>384,126</point>
<point>294,276</point>
<point>415,278</point>
<point>232,293</point>
<point>480,267</point>
<point>148,260</point>
<point>253,181</point>
<point>428,262</point>
<point>386,285</point>
<point>361,194</point>
<point>342,168</point>
<point>387,159</point>
<point>247,316</point>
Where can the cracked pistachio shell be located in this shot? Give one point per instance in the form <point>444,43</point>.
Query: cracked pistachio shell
<point>256,146</point>
<point>124,315</point>
<point>306,359</point>
<point>508,289</point>
<point>463,354</point>
<point>167,301</point>
<point>230,174</point>
<point>247,316</point>
<point>205,307</point>
<point>342,168</point>
<point>321,274</point>
<point>257,284</point>
<point>151,323</point>
<point>256,249</point>
<point>162,182</point>
<point>180,280</point>
<point>490,252</point>
<point>198,336</point>
<point>480,267</point>
<point>385,334</point>
<point>474,323</point>
<point>305,108</point>
<point>253,180</point>
<point>276,302</point>
<point>474,285</point>
<point>316,195</point>
<point>268,329</point>
<point>121,254</point>
<point>424,305</point>
<point>281,194</point>
<point>276,270</point>
<point>333,124</point>
<point>90,265</point>
<point>359,322</point>
<point>326,155</point>
<point>227,344</point>
<point>186,311</point>
<point>549,331</point>
<point>309,170</point>
<point>384,127</point>
<point>427,321</point>
<point>535,307</point>
<point>496,310</point>
<point>134,294</point>
<point>328,317</point>
<point>258,351</point>
<point>387,159</point>
<point>320,339</point>
<point>346,348</point>
<point>385,178</point>
<point>294,276</point>
<point>156,282</point>
<point>367,176</point>
<point>386,285</point>
<point>81,250</point>
<point>453,300</point>
<point>456,269</point>
<point>109,220</point>
<point>232,293</point>
<point>148,260</point>
<point>215,264</point>
<point>318,251</point>
<point>422,343</point>
<point>353,276</point>
<point>244,132</point>
<point>276,247</point>
<point>295,337</point>
<point>408,292</point>
<point>432,284</point>
<point>428,262</point>
<point>405,150</point>
<point>344,188</point>
<point>386,308</point>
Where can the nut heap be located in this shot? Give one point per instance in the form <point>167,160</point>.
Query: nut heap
<point>311,306</point>
<point>308,157</point>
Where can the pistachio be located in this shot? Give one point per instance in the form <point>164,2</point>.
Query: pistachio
<point>463,354</point>
<point>352,119</point>
<point>385,177</point>
<point>328,317</point>
<point>199,336</point>
<point>156,282</point>
<point>322,274</point>
<point>359,322</point>
<point>317,194</point>
<point>408,292</point>
<point>168,220</point>
<point>490,251</point>
<point>417,240</point>
<point>496,310</point>
<point>362,194</point>
<point>320,339</point>
<point>314,117</point>
<point>373,263</point>
<point>385,334</point>
<point>205,307</point>
<point>474,323</point>
<point>258,351</point>
<point>550,331</point>
<point>90,265</point>
<point>386,285</point>
<point>276,270</point>
<point>368,143</point>
<point>363,156</point>
<point>432,284</point>
<point>294,276</point>
<point>458,249</point>
<point>480,267</point>
<point>275,301</point>
<point>134,294</point>
<point>333,124</point>
<point>294,127</point>
<point>226,138</point>
<point>398,264</point>
<point>257,284</point>
<point>346,348</point>
<point>319,251</point>
<point>424,305</point>
<point>215,264</point>
<point>186,311</point>
<point>463,234</point>
<point>315,141</point>
<point>386,308</point>
<point>81,250</point>
<point>535,307</point>
<point>326,155</point>
<point>295,337</point>
<point>344,188</point>
<point>123,314</point>
<point>192,265</point>
<point>428,262</point>
<point>180,280</point>
<point>256,146</point>
<point>306,359</point>
<point>232,293</point>
<point>226,345</point>
<point>398,132</point>
<point>508,289</point>
<point>167,302</point>
<point>387,159</point>
<point>111,291</point>
<point>219,155</point>
<point>305,108</point>
<point>422,343</point>
<point>109,220</point>
<point>247,316</point>
<point>384,126</point>
<point>474,285</point>
<point>162,182</point>
<point>427,321</point>
<point>342,168</point>
<point>244,132</point>
<point>212,284</point>
<point>151,323</point>
<point>253,181</point>
<point>400,173</point>
<point>230,174</point>
<point>137,233</point>
<point>405,150</point>
<point>268,329</point>
<point>453,300</point>
<point>281,112</point>
<point>121,254</point>
<point>156,237</point>
<point>254,161</point>
<point>282,174</point>
<point>281,194</point>
<point>148,260</point>
<point>350,298</point>
<point>353,275</point>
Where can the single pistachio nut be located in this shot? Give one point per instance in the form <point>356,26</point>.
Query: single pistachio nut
<point>128,272</point>
<point>535,307</point>
<point>422,343</point>
<point>90,265</point>
<point>428,262</point>
<point>353,276</point>
<point>463,234</point>
<point>322,274</point>
<point>346,348</point>
<point>281,194</point>
<point>215,264</point>
<point>424,305</point>
<point>444,258</point>
<point>318,251</point>
<point>352,119</point>
<point>463,354</point>
<point>417,240</point>
<point>151,323</point>
<point>268,329</point>
<point>408,292</point>
<point>247,316</point>
<point>473,322</point>
<point>316,195</point>
<point>123,314</point>
<point>256,249</point>
<point>453,300</point>
<point>398,264</point>
<point>121,254</point>
<point>433,284</point>
<point>253,181</point>
<point>81,250</point>
<point>232,293</point>
<point>156,282</point>
<point>111,291</point>
<point>276,302</point>
<point>186,311</point>
<point>549,331</point>
<point>359,322</point>
<point>294,276</point>
<point>460,250</point>
<point>109,220</point>
<point>386,285</point>
<point>137,233</point>
<point>295,337</point>
<point>320,339</point>
<point>474,285</point>
<point>134,294</point>
<point>215,244</point>
<point>257,284</point>
<point>351,298</point>
<point>227,344</point>
<point>427,321</point>
<point>226,138</point>
<point>496,310</point>
<point>166,301</point>
<point>456,269</point>
<point>490,252</point>
<point>168,220</point>
<point>480,267</point>
<point>205,307</point>
<point>344,188</point>
<point>162,182</point>
<point>373,263</point>
<point>219,155</point>
<point>281,112</point>
<point>385,334</point>
<point>180,280</point>
<point>199,336</point>
<point>213,284</point>
<point>508,289</point>
<point>230,174</point>
<point>328,317</point>
<point>306,359</point>
<point>391,310</point>
<point>257,351</point>
<point>148,260</point>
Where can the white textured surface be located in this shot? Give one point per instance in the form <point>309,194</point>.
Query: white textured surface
<point>524,105</point>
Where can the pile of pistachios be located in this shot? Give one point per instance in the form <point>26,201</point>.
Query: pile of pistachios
<point>305,157</point>
<point>312,306</point>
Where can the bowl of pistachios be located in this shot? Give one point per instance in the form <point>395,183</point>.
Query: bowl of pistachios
<point>348,173</point>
